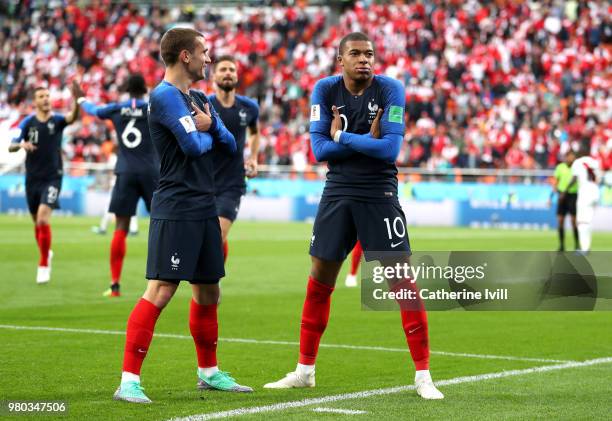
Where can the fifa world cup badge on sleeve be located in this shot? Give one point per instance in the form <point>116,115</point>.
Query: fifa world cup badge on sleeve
<point>188,124</point>
<point>396,114</point>
<point>315,112</point>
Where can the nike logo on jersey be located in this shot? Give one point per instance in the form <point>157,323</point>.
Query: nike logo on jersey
<point>393,245</point>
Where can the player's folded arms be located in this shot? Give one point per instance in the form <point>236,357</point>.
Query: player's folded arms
<point>325,149</point>
<point>221,134</point>
<point>386,148</point>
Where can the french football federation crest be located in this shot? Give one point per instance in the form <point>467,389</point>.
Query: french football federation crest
<point>372,106</point>
<point>175,260</point>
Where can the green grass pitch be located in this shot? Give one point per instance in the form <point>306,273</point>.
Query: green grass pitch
<point>262,299</point>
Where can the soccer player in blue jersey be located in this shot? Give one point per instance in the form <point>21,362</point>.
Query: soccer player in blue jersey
<point>137,167</point>
<point>40,136</point>
<point>240,115</point>
<point>184,234</point>
<point>357,125</point>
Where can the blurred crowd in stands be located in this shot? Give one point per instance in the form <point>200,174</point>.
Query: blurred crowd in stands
<point>489,84</point>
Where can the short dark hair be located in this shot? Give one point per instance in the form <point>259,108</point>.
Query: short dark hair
<point>39,88</point>
<point>136,85</point>
<point>353,36</point>
<point>584,149</point>
<point>225,57</point>
<point>176,40</point>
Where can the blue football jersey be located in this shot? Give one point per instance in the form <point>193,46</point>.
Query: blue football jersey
<point>360,166</point>
<point>46,161</point>
<point>186,184</point>
<point>136,152</point>
<point>229,168</point>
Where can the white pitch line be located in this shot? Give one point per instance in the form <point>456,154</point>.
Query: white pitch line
<point>270,342</point>
<point>388,391</point>
<point>340,411</point>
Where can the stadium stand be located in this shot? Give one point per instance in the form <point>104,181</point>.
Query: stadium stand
<point>489,84</point>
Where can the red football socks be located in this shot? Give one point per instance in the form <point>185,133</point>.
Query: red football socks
<point>205,332</point>
<point>356,258</point>
<point>315,316</point>
<point>414,322</point>
<point>117,254</point>
<point>37,235</point>
<point>225,251</point>
<point>43,235</point>
<point>140,327</point>
<point>417,336</point>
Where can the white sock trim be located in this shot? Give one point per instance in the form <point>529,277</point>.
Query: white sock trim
<point>208,371</point>
<point>305,369</point>
<point>422,376</point>
<point>129,377</point>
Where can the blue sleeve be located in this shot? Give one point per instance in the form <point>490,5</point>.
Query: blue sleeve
<point>323,146</point>
<point>60,121</point>
<point>254,112</point>
<point>23,125</point>
<point>100,111</point>
<point>392,127</point>
<point>219,132</point>
<point>169,109</point>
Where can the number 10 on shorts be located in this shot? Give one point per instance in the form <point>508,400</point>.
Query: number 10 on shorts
<point>399,229</point>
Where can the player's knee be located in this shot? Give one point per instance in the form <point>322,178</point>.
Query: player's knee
<point>122,223</point>
<point>325,271</point>
<point>43,216</point>
<point>159,293</point>
<point>225,224</point>
<point>206,294</point>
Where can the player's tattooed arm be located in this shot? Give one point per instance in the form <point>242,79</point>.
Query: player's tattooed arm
<point>375,127</point>
<point>77,93</point>
<point>26,146</point>
<point>18,142</point>
<point>250,164</point>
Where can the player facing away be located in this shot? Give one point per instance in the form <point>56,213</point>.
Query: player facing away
<point>586,174</point>
<point>357,125</point>
<point>184,234</point>
<point>137,167</point>
<point>240,115</point>
<point>41,137</point>
<point>566,203</point>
